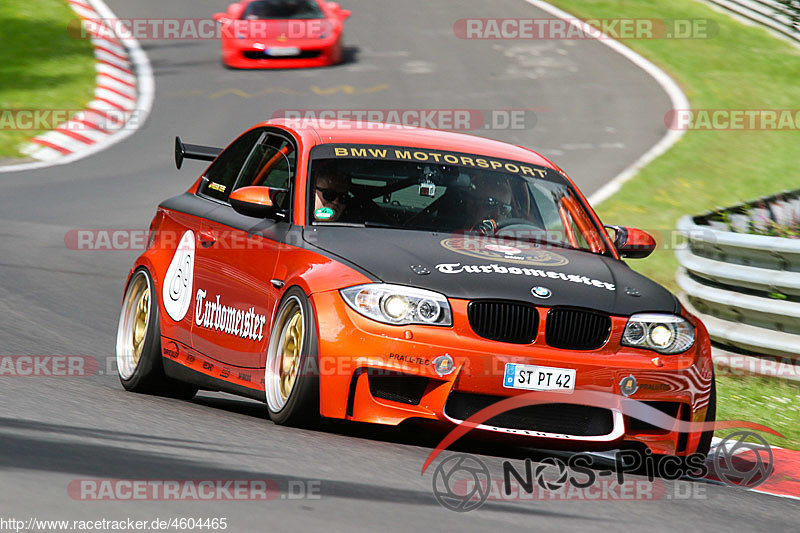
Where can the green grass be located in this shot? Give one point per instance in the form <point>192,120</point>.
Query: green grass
<point>774,403</point>
<point>41,65</point>
<point>741,67</point>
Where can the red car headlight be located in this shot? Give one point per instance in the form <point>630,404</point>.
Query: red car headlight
<point>665,334</point>
<point>398,304</point>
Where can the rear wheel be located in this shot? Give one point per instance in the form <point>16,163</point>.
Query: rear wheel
<point>291,381</point>
<point>139,343</point>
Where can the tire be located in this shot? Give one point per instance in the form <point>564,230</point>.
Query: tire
<point>139,343</point>
<point>704,445</point>
<point>291,379</point>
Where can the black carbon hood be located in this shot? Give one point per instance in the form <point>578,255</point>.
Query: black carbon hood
<point>472,267</point>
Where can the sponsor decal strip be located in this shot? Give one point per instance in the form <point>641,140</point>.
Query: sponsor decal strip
<point>191,358</point>
<point>458,268</point>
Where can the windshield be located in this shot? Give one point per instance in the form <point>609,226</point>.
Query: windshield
<point>282,10</point>
<point>427,190</point>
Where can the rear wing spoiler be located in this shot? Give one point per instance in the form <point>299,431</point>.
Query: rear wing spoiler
<point>193,151</point>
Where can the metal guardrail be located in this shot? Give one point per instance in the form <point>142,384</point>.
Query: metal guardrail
<point>779,16</point>
<point>745,287</point>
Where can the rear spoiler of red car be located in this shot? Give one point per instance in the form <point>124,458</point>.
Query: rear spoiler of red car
<point>193,151</point>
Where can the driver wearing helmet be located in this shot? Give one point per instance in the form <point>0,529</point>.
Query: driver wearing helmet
<point>488,203</point>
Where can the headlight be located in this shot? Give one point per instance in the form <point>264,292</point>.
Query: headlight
<point>397,304</point>
<point>667,334</point>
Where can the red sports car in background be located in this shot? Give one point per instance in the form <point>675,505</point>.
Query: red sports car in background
<point>282,33</point>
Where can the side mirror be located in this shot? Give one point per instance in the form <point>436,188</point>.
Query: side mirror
<point>235,11</point>
<point>337,10</point>
<point>631,242</point>
<point>220,17</point>
<point>256,201</point>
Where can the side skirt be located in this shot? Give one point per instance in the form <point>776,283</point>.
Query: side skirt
<point>185,364</point>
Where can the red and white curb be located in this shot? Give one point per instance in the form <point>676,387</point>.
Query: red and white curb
<point>784,481</point>
<point>123,97</point>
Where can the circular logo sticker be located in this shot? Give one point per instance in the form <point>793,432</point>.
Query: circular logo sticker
<point>323,213</point>
<point>177,293</point>
<point>628,385</point>
<point>487,248</point>
<point>444,365</point>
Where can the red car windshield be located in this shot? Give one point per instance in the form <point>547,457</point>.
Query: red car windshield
<point>282,10</point>
<point>474,194</point>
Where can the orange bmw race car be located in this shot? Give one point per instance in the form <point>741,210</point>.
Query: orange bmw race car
<point>282,33</point>
<point>383,273</point>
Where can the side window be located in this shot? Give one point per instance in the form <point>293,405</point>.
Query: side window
<point>270,163</point>
<point>221,176</point>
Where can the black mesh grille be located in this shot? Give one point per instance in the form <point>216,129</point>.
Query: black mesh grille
<point>397,387</point>
<point>575,329</point>
<point>514,322</point>
<point>669,408</point>
<point>561,418</point>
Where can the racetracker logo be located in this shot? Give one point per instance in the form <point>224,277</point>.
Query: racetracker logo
<point>75,120</point>
<point>104,240</point>
<point>185,29</point>
<point>193,489</point>
<point>733,119</point>
<point>577,29</point>
<point>47,366</point>
<point>439,119</point>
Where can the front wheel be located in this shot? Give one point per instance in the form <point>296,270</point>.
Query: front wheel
<point>291,381</point>
<point>139,343</point>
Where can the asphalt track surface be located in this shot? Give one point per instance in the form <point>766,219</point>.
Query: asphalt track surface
<point>598,114</point>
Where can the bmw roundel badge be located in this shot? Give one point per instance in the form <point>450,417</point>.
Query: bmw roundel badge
<point>541,292</point>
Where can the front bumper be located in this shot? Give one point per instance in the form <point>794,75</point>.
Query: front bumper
<point>244,54</point>
<point>359,359</point>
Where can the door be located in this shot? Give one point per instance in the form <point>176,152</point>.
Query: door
<point>237,255</point>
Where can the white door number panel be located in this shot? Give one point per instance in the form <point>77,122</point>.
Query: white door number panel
<point>533,377</point>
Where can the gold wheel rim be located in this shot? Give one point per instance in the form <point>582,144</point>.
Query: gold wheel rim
<point>290,351</point>
<point>141,316</point>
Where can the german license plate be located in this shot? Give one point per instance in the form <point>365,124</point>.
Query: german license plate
<point>534,377</point>
<point>282,51</point>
